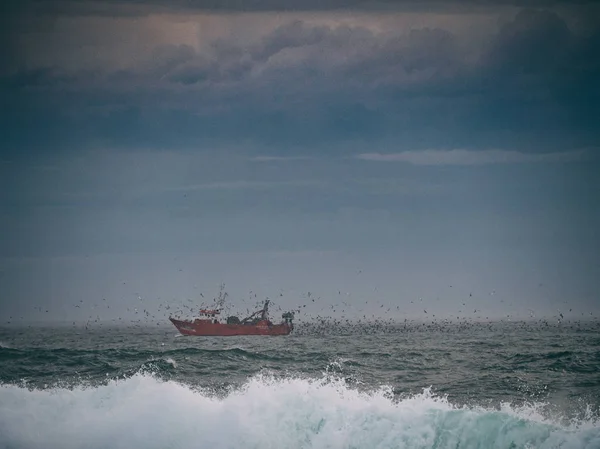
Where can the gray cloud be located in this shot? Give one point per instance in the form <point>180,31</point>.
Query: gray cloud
<point>280,158</point>
<point>315,83</point>
<point>139,7</point>
<point>470,157</point>
<point>321,55</point>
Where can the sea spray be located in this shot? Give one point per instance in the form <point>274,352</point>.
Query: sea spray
<point>144,411</point>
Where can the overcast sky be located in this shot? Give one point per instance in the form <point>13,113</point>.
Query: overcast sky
<point>391,152</point>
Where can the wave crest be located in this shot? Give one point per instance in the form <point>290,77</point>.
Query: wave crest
<point>145,412</point>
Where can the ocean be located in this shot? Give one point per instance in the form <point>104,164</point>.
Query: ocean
<point>416,385</point>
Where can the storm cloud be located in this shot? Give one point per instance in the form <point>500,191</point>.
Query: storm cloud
<point>307,80</point>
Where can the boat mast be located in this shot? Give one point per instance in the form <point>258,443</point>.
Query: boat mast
<point>265,310</point>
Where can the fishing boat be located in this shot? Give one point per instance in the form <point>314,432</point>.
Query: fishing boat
<point>208,324</point>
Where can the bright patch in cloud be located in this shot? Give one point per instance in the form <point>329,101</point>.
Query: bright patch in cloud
<point>280,158</point>
<point>472,157</point>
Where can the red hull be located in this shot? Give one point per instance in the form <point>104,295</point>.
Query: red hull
<point>209,328</point>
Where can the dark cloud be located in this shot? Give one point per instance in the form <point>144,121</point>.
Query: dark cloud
<point>318,56</point>
<point>538,65</point>
<point>534,83</point>
<point>138,7</point>
<point>535,41</point>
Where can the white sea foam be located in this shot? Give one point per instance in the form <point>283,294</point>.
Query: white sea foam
<point>144,412</point>
<point>171,362</point>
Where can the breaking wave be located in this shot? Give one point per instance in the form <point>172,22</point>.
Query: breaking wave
<point>144,411</point>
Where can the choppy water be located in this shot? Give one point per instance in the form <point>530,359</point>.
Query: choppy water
<point>476,386</point>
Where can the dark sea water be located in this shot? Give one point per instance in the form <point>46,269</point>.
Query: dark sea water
<point>499,385</point>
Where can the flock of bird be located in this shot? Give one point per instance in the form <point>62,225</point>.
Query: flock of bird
<point>315,314</point>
